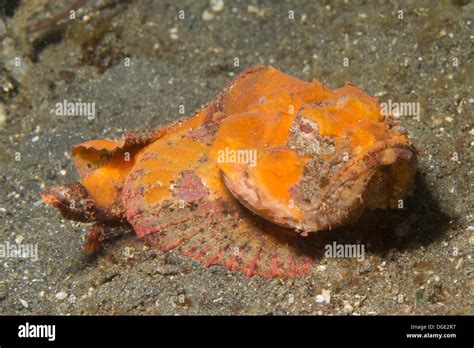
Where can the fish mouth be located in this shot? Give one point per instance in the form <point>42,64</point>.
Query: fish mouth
<point>380,154</point>
<point>378,178</point>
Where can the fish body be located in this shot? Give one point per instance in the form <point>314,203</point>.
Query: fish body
<point>242,181</point>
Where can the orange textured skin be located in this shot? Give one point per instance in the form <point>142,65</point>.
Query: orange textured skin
<point>316,157</point>
<point>320,158</point>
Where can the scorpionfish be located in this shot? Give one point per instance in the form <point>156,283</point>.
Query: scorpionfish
<point>243,181</point>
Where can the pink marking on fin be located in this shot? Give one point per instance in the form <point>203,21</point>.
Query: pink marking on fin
<point>274,266</point>
<point>292,271</point>
<point>199,255</point>
<point>213,258</point>
<point>188,251</point>
<point>231,262</point>
<point>253,263</point>
<point>307,267</point>
<point>172,245</point>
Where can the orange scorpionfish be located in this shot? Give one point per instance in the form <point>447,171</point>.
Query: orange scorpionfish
<point>246,178</point>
